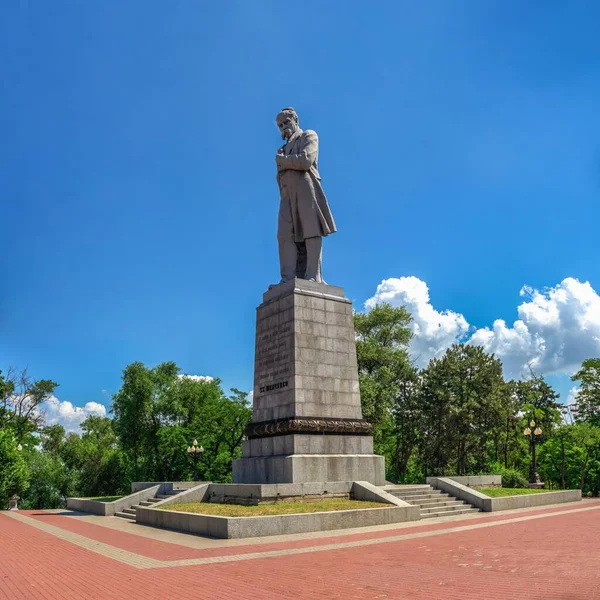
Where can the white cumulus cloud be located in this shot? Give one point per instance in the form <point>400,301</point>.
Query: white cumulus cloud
<point>434,331</point>
<point>557,328</point>
<point>205,378</point>
<point>572,396</point>
<point>69,416</point>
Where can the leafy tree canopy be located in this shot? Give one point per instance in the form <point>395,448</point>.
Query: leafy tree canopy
<point>587,405</point>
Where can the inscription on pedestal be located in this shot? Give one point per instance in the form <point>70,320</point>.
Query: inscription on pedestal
<point>273,386</point>
<point>273,360</point>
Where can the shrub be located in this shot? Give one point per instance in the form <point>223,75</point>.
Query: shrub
<point>14,475</point>
<point>513,479</point>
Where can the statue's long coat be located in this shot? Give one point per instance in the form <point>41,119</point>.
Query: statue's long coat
<point>303,211</point>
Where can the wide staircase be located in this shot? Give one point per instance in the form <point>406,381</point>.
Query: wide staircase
<point>129,513</point>
<point>432,503</point>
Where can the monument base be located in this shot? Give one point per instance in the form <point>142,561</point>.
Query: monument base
<point>308,468</point>
<point>283,445</point>
<point>307,423</point>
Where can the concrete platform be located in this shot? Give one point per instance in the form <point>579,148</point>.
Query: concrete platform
<point>393,510</point>
<point>301,468</point>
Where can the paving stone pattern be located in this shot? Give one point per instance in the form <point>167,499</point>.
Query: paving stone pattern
<point>480,557</point>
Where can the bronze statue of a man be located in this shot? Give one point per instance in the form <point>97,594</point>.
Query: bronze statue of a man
<point>304,215</point>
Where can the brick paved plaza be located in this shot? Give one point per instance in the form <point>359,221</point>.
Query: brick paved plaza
<point>550,553</point>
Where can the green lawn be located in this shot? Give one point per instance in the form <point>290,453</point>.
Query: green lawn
<point>283,508</point>
<point>501,492</point>
<point>104,498</point>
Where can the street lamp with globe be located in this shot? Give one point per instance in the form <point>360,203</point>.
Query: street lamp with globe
<point>534,434</point>
<point>195,452</point>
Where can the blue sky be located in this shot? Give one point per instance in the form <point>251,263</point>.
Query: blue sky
<point>459,149</point>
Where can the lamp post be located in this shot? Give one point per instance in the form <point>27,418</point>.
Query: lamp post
<point>195,452</point>
<point>534,434</point>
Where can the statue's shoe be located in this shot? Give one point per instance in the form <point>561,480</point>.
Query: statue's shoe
<point>276,284</point>
<point>271,286</point>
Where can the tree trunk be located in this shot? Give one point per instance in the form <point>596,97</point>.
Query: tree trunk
<point>563,477</point>
<point>583,471</point>
<point>506,445</point>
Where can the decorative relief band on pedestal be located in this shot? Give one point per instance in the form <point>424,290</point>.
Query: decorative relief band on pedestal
<point>323,425</point>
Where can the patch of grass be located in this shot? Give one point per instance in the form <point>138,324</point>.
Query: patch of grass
<point>104,498</point>
<point>283,508</point>
<point>502,492</point>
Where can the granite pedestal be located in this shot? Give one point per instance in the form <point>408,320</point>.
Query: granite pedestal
<point>307,423</point>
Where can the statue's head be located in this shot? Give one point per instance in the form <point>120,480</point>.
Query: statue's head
<point>287,121</point>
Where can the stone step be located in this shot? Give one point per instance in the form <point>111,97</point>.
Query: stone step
<point>154,500</point>
<point>414,499</point>
<point>417,496</point>
<point>449,508</point>
<point>442,502</point>
<point>431,502</point>
<point>425,489</point>
<point>433,493</point>
<point>129,511</point>
<point>452,513</point>
<point>145,503</point>
<point>163,496</point>
<point>406,488</point>
<point>125,515</point>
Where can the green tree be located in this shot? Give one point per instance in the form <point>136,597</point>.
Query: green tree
<point>234,414</point>
<point>539,402</point>
<point>50,482</point>
<point>14,474</point>
<point>570,458</point>
<point>219,427</point>
<point>389,384</point>
<point>586,437</point>
<point>52,438</point>
<point>462,397</point>
<point>405,420</point>
<point>157,414</point>
<point>382,338</point>
<point>136,417</point>
<point>101,464</point>
<point>20,400</point>
<point>559,459</point>
<point>510,445</point>
<point>587,405</point>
